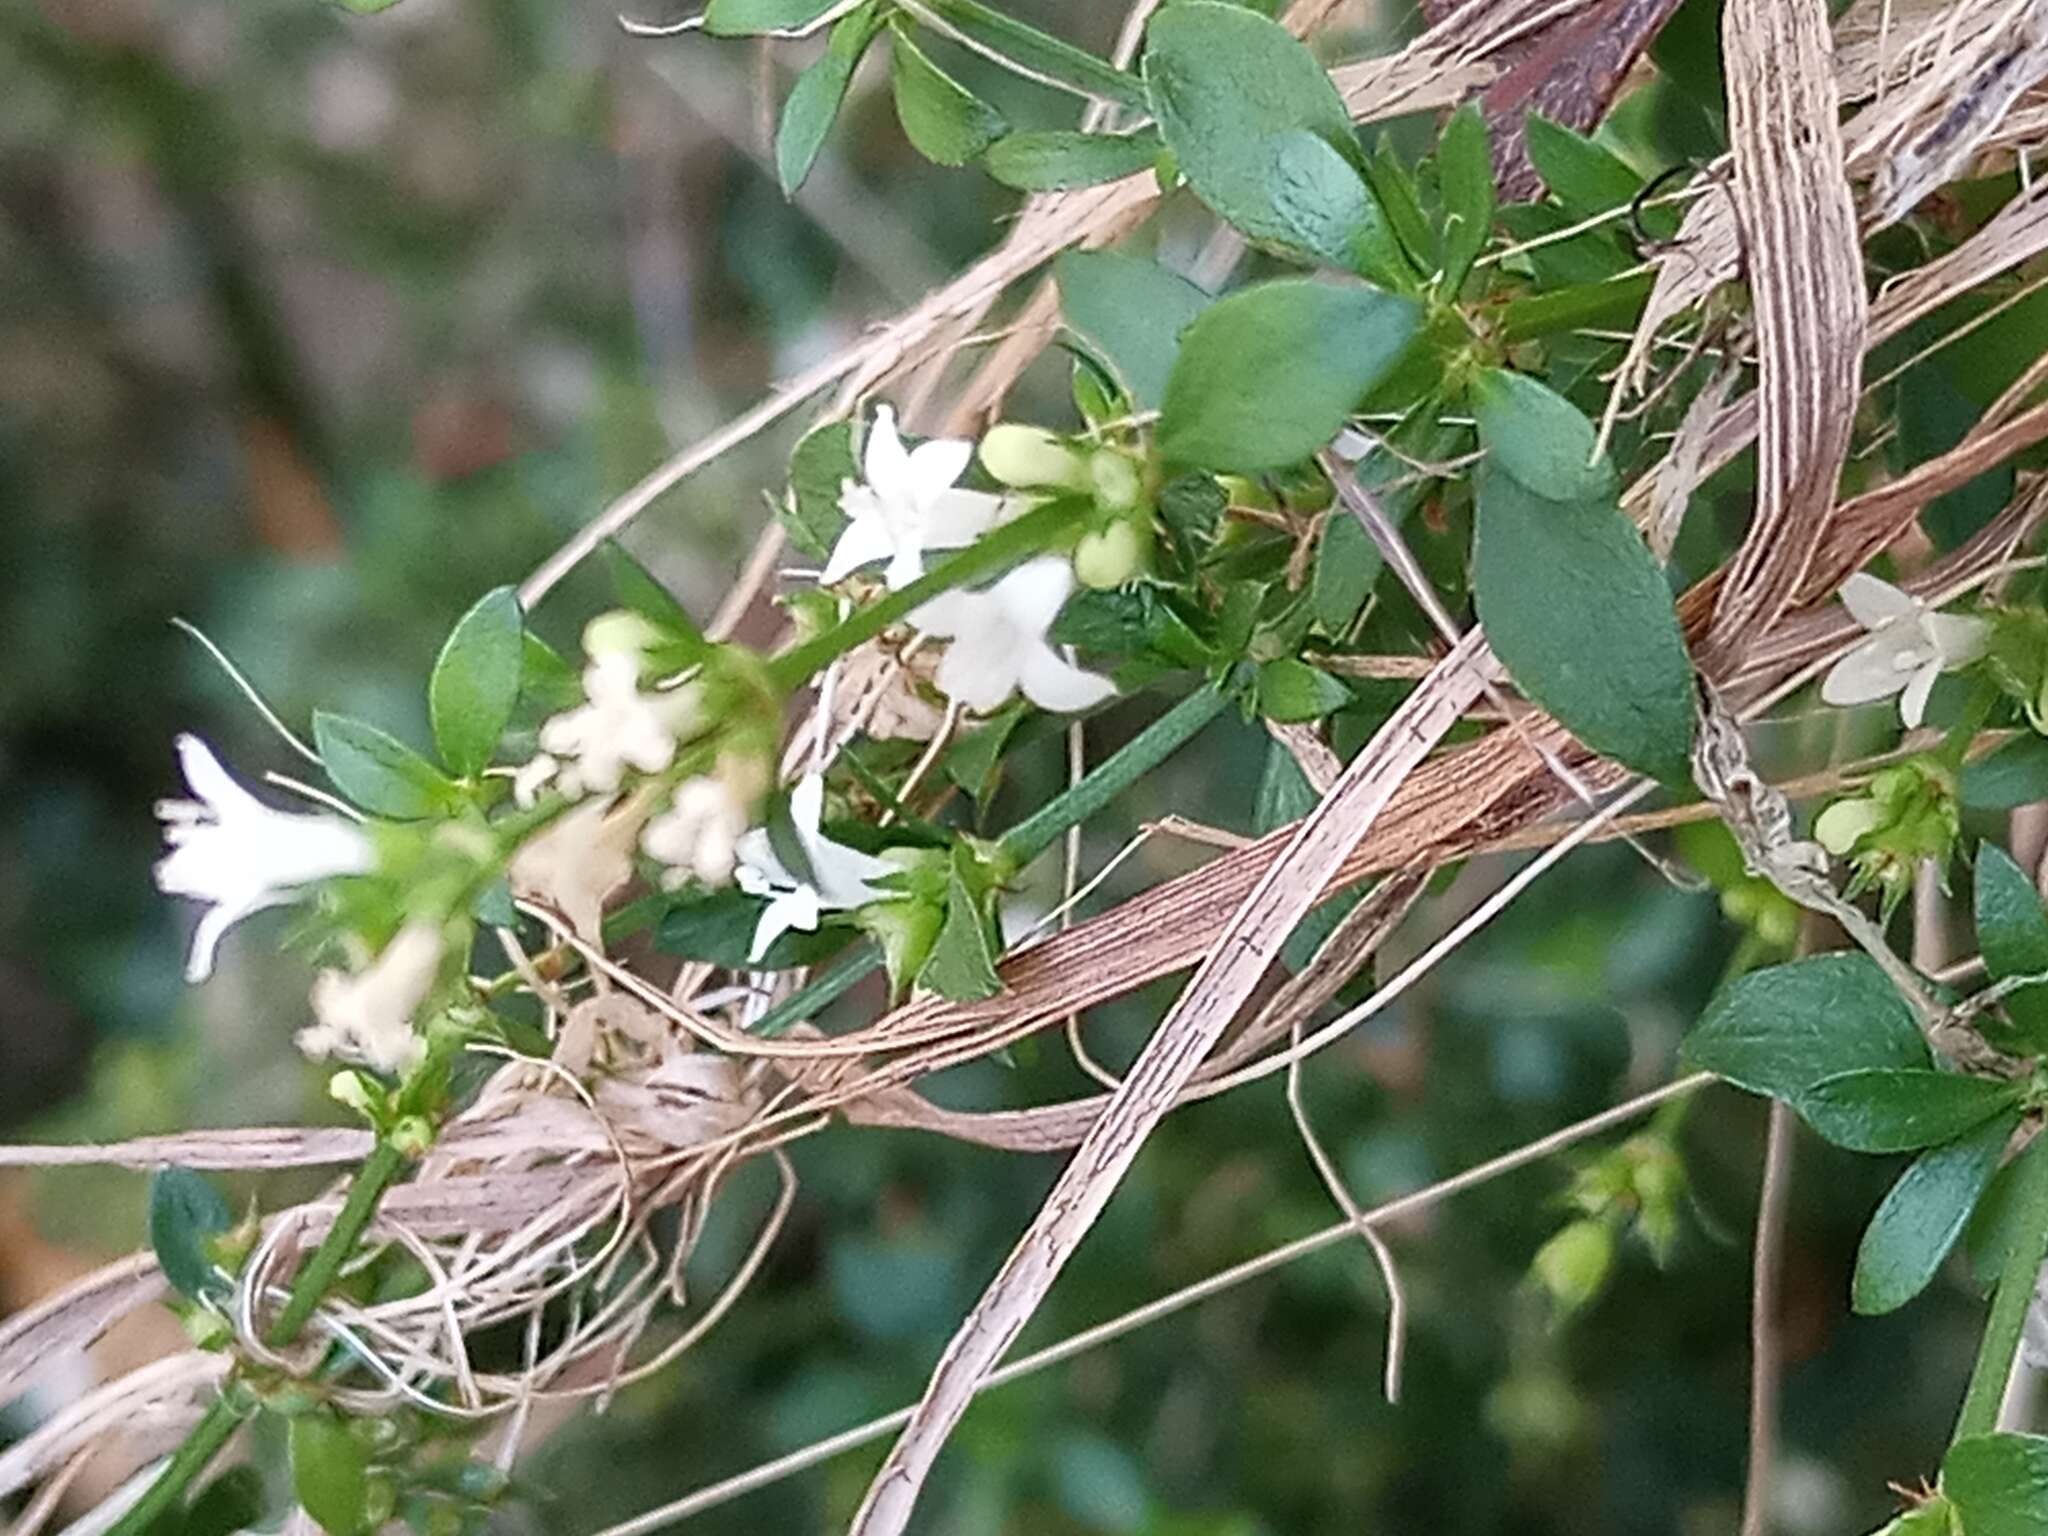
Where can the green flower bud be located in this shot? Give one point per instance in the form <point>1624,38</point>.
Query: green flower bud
<point>352,1090</point>
<point>1845,823</point>
<point>1116,481</point>
<point>413,1135</point>
<point>1023,456</point>
<point>1119,553</point>
<point>1573,1266</point>
<point>621,631</point>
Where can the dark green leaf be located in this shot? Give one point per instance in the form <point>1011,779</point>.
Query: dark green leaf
<point>1394,188</point>
<point>231,1502</point>
<point>975,761</point>
<point>637,589</point>
<point>1587,178</point>
<point>547,683</point>
<point>962,967</point>
<point>379,772</point>
<point>1780,1030</point>
<point>475,683</point>
<point>1998,1484</point>
<point>1347,565</point>
<point>1901,1109</point>
<point>819,468</point>
<point>1225,86</point>
<point>947,123</point>
<point>1465,172</point>
<point>719,928</point>
<point>1579,613</point>
<point>1933,1518</point>
<point>185,1210</point>
<point>1614,301</point>
<point>1285,794</point>
<point>2013,776</point>
<point>1532,432</point>
<point>750,18</point>
<point>1266,376</point>
<point>1558,259</point>
<point>1923,1215</point>
<point>330,1473</point>
<point>814,100</point>
<point>1292,690</point>
<point>1130,313</point>
<point>1037,53</point>
<point>1051,160</point>
<point>2012,932</point>
<point>1321,198</point>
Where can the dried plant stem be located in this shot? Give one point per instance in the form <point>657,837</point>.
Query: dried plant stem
<point>811,1455</point>
<point>1766,1365</point>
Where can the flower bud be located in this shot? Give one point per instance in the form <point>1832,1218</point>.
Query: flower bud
<point>622,632</point>
<point>413,1136</point>
<point>1018,455</point>
<point>1117,484</point>
<point>1114,555</point>
<point>351,1090</point>
<point>1574,1264</point>
<point>1842,825</point>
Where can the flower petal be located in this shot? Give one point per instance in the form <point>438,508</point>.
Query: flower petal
<point>807,803</point>
<point>844,874</point>
<point>1913,706</point>
<point>791,909</point>
<point>884,462</point>
<point>949,614</point>
<point>976,674</point>
<point>934,467</point>
<point>864,539</point>
<point>1873,602</point>
<point>1033,594</point>
<point>210,781</point>
<point>1053,683</point>
<point>1958,638</point>
<point>957,518</point>
<point>1866,673</point>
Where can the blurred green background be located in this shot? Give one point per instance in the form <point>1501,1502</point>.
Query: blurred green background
<point>312,327</point>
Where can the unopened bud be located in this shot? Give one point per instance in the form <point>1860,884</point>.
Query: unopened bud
<point>1842,825</point>
<point>1023,456</point>
<point>351,1090</point>
<point>620,631</point>
<point>1115,480</point>
<point>1573,1265</point>
<point>413,1136</point>
<point>1117,554</point>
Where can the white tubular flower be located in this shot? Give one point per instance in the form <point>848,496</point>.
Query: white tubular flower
<point>580,860</point>
<point>1910,645</point>
<point>618,728</point>
<point>531,777</point>
<point>999,645</point>
<point>907,505</point>
<point>840,875</point>
<point>230,849</point>
<point>367,1017</point>
<point>700,832</point>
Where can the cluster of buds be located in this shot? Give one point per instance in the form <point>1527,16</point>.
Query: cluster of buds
<point>1907,815</point>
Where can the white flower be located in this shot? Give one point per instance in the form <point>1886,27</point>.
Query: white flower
<point>531,777</point>
<point>618,728</point>
<point>367,1017</point>
<point>580,860</point>
<point>700,832</point>
<point>908,505</point>
<point>840,875</point>
<point>999,643</point>
<point>1910,645</point>
<point>230,849</point>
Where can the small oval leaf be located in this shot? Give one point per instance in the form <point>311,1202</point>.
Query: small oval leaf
<point>185,1210</point>
<point>1780,1030</point>
<point>1533,433</point>
<point>475,682</point>
<point>379,772</point>
<point>1998,1484</point>
<point>330,1473</point>
<point>1054,160</point>
<point>2012,931</point>
<point>1901,1109</point>
<point>1923,1215</point>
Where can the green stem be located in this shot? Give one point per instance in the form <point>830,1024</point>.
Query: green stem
<point>223,1417</point>
<point>313,1282</point>
<point>1031,534</point>
<point>822,990</point>
<point>2015,1293</point>
<point>1116,773</point>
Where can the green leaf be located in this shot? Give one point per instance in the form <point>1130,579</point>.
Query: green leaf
<point>1130,314</point>
<point>962,968</point>
<point>1578,611</point>
<point>2012,932</point>
<point>379,772</point>
<point>1348,563</point>
<point>1586,177</point>
<point>1933,1518</point>
<point>1901,1109</point>
<point>2013,776</point>
<point>1614,301</point>
<point>1266,376</point>
<point>330,1473</point>
<point>185,1210</point>
<point>1395,189</point>
<point>547,684</point>
<point>636,588</point>
<point>475,682</point>
<point>1923,1215</point>
<point>1780,1030</point>
<point>719,928</point>
<point>231,1502</point>
<point>1532,432</point>
<point>975,761</point>
<point>1226,85</point>
<point>947,123</point>
<point>1284,795</point>
<point>1024,48</point>
<point>821,465</point>
<point>1320,196</point>
<point>814,100</point>
<point>1464,161</point>
<point>1998,1484</point>
<point>750,18</point>
<point>1292,690</point>
<point>1051,160</point>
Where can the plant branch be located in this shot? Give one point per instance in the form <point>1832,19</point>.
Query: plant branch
<point>1766,1367</point>
<point>2015,1294</point>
